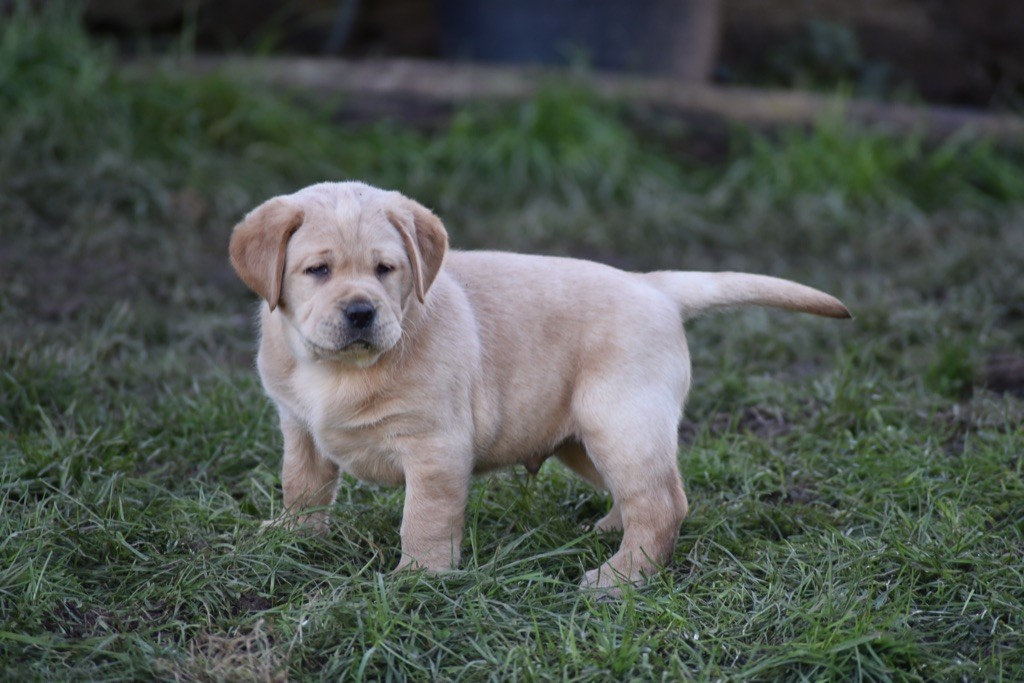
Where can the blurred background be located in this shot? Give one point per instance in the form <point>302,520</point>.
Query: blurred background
<point>946,51</point>
<point>871,148</point>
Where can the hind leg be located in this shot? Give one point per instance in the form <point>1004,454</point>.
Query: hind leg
<point>574,456</point>
<point>632,444</point>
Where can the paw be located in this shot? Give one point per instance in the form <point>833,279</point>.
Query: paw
<point>609,581</point>
<point>602,588</point>
<point>434,566</point>
<point>310,523</point>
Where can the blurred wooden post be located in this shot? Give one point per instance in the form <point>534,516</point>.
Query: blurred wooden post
<point>451,84</point>
<point>693,61</point>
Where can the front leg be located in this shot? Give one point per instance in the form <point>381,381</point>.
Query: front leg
<point>436,490</point>
<point>309,480</point>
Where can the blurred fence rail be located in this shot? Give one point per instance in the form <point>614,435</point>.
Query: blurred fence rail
<point>439,83</point>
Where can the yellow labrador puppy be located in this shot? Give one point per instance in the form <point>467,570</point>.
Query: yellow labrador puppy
<point>402,363</point>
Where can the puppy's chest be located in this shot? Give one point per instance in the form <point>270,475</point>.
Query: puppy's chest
<point>360,453</point>
<point>357,430</point>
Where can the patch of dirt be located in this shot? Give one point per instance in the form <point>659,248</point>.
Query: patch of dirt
<point>77,621</point>
<point>1003,373</point>
<point>983,412</point>
<point>250,602</point>
<point>763,423</point>
<point>797,494</point>
<point>247,655</point>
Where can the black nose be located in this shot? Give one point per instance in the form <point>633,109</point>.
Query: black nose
<point>360,314</point>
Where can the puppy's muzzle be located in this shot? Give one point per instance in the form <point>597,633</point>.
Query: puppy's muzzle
<point>360,314</point>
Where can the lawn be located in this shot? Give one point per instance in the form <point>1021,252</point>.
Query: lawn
<point>856,488</point>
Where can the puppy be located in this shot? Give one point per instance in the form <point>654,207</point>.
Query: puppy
<point>402,363</point>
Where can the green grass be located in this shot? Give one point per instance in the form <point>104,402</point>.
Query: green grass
<point>857,493</point>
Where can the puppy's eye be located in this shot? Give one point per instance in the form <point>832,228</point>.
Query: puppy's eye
<point>320,270</point>
<point>383,269</point>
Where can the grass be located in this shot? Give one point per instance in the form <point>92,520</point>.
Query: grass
<point>857,490</point>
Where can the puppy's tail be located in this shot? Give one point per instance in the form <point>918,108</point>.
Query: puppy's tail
<point>698,293</point>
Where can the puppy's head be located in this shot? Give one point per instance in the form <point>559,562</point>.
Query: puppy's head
<point>343,263</point>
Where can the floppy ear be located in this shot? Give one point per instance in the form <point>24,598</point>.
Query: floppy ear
<point>258,246</point>
<point>426,243</point>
